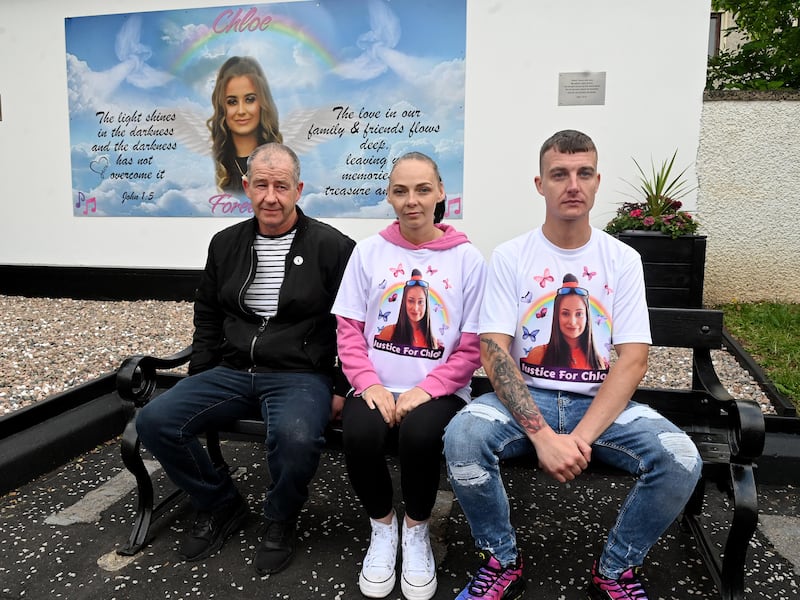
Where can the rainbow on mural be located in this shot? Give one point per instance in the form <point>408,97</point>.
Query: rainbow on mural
<point>354,86</point>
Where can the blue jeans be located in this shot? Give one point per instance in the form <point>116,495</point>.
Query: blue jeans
<point>295,406</point>
<point>663,459</point>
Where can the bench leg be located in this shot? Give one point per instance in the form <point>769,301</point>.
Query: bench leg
<point>146,513</point>
<point>728,572</point>
<point>132,459</point>
<point>695,504</point>
<point>214,451</point>
<point>745,521</point>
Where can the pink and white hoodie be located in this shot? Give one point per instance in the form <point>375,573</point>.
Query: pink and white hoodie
<point>453,273</point>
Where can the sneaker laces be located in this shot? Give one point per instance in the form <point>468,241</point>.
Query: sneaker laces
<point>381,544</point>
<point>487,575</point>
<point>417,558</point>
<point>628,586</point>
<point>275,531</point>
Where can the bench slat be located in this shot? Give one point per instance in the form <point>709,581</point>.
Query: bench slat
<point>682,328</point>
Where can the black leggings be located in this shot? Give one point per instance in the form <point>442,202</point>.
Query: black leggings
<point>366,438</point>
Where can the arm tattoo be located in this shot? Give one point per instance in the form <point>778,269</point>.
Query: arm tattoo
<point>510,388</point>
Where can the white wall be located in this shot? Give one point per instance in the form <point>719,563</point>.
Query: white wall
<point>653,53</point>
<point>749,169</point>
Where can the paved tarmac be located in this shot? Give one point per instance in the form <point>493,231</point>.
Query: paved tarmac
<point>59,533</point>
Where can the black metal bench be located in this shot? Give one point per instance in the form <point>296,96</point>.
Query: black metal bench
<point>728,432</point>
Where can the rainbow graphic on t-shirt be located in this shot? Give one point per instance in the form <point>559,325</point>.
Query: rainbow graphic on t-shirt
<point>546,301</point>
<point>539,316</point>
<point>439,314</point>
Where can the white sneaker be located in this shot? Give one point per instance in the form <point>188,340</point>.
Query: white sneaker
<point>377,576</point>
<point>419,568</point>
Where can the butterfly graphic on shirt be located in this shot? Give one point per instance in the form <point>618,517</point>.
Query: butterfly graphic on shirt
<point>384,315</point>
<point>600,319</point>
<point>544,278</point>
<point>588,273</point>
<point>393,297</point>
<point>447,284</point>
<point>527,297</point>
<point>541,313</point>
<point>431,271</point>
<point>398,271</point>
<point>382,285</point>
<point>443,328</point>
<point>608,290</point>
<point>527,334</point>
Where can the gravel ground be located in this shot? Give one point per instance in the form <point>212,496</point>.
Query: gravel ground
<point>49,345</point>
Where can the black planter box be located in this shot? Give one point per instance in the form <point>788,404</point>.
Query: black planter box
<point>673,268</point>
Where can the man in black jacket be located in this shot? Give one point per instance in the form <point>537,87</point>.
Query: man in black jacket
<point>264,340</point>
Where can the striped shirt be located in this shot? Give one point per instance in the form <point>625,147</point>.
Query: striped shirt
<point>262,295</point>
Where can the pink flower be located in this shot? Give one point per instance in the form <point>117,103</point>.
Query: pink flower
<point>636,213</point>
<point>648,221</point>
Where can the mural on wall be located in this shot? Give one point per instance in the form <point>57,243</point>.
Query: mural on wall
<point>349,86</point>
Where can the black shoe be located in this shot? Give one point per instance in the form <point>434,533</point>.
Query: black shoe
<point>211,529</point>
<point>276,549</point>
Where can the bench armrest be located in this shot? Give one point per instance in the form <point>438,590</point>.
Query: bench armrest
<point>745,419</point>
<point>137,376</point>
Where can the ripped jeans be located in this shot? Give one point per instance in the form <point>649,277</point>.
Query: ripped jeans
<point>663,459</point>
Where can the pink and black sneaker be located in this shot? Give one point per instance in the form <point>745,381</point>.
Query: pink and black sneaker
<point>627,587</point>
<point>493,581</point>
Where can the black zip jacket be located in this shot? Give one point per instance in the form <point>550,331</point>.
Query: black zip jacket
<point>301,336</point>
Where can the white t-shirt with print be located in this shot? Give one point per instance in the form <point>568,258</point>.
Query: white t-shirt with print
<point>372,289</point>
<point>524,278</point>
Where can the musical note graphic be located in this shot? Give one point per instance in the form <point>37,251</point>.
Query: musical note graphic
<point>451,202</point>
<point>82,199</point>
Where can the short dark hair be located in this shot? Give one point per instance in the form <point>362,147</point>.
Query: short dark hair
<point>568,141</point>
